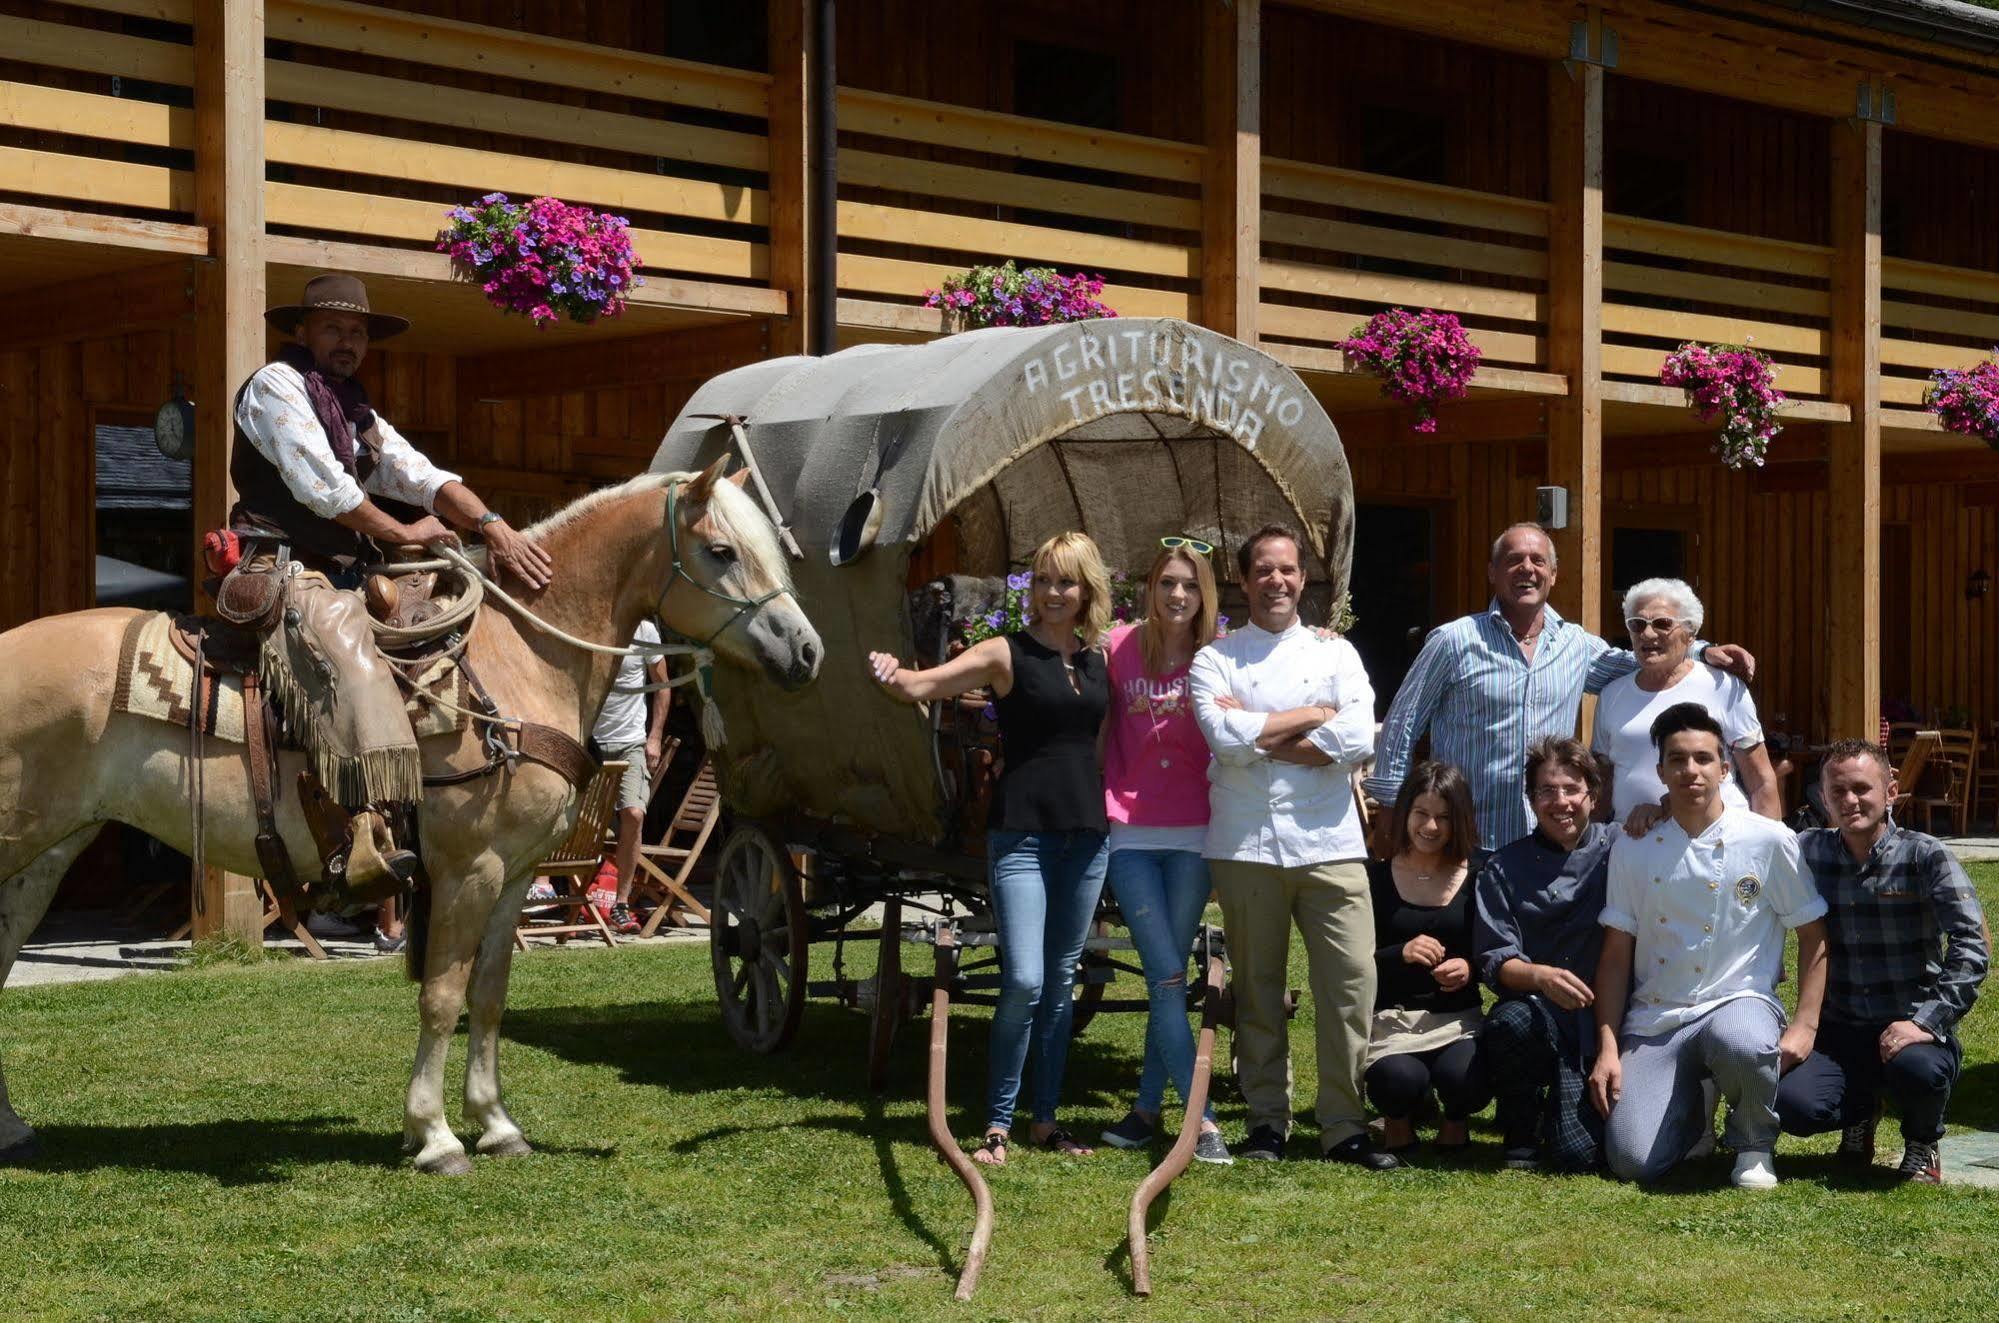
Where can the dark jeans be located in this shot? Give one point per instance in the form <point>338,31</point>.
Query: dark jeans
<point>1837,1084</point>
<point>1396,1084</point>
<point>1535,1062</point>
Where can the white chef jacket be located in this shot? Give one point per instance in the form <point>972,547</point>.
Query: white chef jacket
<point>1708,915</point>
<point>1262,810</point>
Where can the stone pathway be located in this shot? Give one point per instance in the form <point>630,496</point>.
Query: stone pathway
<point>1971,1157</point>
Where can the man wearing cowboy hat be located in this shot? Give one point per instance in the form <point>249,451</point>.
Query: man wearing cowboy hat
<point>310,458</point>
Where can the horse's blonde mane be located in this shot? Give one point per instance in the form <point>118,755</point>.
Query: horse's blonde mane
<point>756,530</point>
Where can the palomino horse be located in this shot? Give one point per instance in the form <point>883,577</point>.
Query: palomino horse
<point>691,549</point>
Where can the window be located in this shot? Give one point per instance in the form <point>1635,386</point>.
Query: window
<point>1066,84</point>
<point>735,36</point>
<point>1403,142</point>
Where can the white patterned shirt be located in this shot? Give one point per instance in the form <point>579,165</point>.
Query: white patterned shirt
<point>1707,915</point>
<point>1262,809</point>
<point>276,414</point>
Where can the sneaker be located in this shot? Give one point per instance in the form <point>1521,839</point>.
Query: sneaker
<point>1754,1170</point>
<point>1357,1152</point>
<point>1210,1148</point>
<point>1856,1143</point>
<point>388,945</point>
<point>1921,1164</point>
<point>621,920</point>
<point>1264,1144</point>
<point>1132,1132</point>
<point>1520,1157</point>
<point>541,890</point>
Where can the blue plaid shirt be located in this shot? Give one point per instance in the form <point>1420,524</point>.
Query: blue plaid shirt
<point>1484,703</point>
<point>1905,934</point>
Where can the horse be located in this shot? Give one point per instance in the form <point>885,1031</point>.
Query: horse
<point>692,550</point>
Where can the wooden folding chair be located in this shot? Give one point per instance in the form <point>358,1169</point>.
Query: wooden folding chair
<point>575,858</point>
<point>664,867</point>
<point>1955,760</point>
<point>1922,744</point>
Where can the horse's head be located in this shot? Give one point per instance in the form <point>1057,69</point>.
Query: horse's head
<point>729,583</point>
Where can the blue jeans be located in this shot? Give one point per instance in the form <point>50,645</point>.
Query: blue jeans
<point>1044,893</point>
<point>1161,894</point>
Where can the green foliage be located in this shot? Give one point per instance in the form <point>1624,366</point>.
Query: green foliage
<point>224,1144</point>
<point>227,949</point>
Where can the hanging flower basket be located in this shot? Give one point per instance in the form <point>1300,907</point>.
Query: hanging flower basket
<point>1423,358</point>
<point>1966,400</point>
<point>1732,383</point>
<point>543,259</point>
<point>1004,295</point>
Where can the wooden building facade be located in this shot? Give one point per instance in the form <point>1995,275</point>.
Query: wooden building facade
<point>1587,185</point>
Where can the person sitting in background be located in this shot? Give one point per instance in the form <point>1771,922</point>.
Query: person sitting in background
<point>1909,949</point>
<point>1537,939</point>
<point>1694,917</point>
<point>1426,1002</point>
<point>1156,796</point>
<point>624,733</point>
<point>1663,617</point>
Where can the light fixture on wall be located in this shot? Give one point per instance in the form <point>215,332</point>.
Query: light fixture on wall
<point>1978,585</point>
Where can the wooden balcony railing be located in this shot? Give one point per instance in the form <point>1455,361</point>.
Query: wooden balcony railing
<point>928,189</point>
<point>1340,245</point>
<point>1666,284</point>
<point>95,120</point>
<point>1931,317</point>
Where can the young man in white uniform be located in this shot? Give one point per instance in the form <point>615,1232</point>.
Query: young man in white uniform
<point>1694,918</point>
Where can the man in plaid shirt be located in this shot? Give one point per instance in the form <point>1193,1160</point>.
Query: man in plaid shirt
<point>1908,949</point>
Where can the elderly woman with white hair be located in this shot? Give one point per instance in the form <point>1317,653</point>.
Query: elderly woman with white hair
<point>1664,616</point>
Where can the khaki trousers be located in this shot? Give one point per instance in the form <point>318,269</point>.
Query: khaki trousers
<point>1331,906</point>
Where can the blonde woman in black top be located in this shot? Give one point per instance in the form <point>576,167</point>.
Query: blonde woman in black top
<point>1426,1006</point>
<point>1045,843</point>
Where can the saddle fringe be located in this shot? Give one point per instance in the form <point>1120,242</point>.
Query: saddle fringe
<point>392,775</point>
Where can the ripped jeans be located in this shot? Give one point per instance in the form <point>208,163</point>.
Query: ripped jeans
<point>1161,894</point>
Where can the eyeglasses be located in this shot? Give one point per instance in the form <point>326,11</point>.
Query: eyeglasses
<point>1663,625</point>
<point>1175,542</point>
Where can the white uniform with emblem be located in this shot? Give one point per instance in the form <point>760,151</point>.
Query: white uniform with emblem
<point>1707,915</point>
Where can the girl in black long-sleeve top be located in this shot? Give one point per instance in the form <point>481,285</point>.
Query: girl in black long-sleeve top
<point>1426,1000</point>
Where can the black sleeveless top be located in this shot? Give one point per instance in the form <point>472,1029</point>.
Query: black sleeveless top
<point>1400,984</point>
<point>1048,731</point>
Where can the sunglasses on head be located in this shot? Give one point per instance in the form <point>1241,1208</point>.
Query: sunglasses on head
<point>1176,542</point>
<point>1663,625</point>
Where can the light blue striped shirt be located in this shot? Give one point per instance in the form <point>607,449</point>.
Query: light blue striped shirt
<point>1483,704</point>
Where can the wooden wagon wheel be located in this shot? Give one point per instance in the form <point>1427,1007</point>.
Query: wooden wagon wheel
<point>890,996</point>
<point>1089,996</point>
<point>758,941</point>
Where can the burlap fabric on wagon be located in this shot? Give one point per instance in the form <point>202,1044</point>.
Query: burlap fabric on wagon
<point>155,680</point>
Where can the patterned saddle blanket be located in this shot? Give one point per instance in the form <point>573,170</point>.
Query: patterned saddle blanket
<point>155,679</point>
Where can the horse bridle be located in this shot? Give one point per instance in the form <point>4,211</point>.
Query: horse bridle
<point>743,605</point>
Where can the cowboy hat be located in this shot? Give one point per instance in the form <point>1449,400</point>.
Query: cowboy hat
<point>336,293</point>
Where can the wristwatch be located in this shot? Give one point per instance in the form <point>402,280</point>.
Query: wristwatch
<point>490,517</point>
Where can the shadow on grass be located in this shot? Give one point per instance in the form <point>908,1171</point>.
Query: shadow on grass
<point>1975,1100</point>
<point>244,1151</point>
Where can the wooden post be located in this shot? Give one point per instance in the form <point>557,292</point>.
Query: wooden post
<point>790,140</point>
<point>1853,516</point>
<point>1575,330</point>
<point>229,316</point>
<point>1232,172</point>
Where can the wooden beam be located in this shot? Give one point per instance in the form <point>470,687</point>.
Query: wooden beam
<point>130,299</point>
<point>1960,469</point>
<point>1460,422</point>
<point>22,220</point>
<point>693,354</point>
<point>229,326</point>
<point>1853,551</point>
<point>790,136</point>
<point>1231,179</point>
<point>1575,327</point>
<point>1802,443</point>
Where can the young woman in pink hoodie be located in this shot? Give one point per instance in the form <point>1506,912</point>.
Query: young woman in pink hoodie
<point>1156,797</point>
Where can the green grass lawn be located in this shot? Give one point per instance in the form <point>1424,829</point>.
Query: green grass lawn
<point>222,1143</point>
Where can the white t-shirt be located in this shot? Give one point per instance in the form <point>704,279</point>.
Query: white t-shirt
<point>1624,717</point>
<point>1707,915</point>
<point>622,723</point>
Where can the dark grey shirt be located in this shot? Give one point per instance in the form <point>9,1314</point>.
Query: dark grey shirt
<point>1539,903</point>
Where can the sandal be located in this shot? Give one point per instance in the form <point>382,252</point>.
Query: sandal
<point>991,1151</point>
<point>1059,1140</point>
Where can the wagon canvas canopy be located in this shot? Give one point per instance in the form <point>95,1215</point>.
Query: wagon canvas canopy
<point>991,441</point>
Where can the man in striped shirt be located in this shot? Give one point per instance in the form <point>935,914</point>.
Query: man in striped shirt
<point>1487,685</point>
